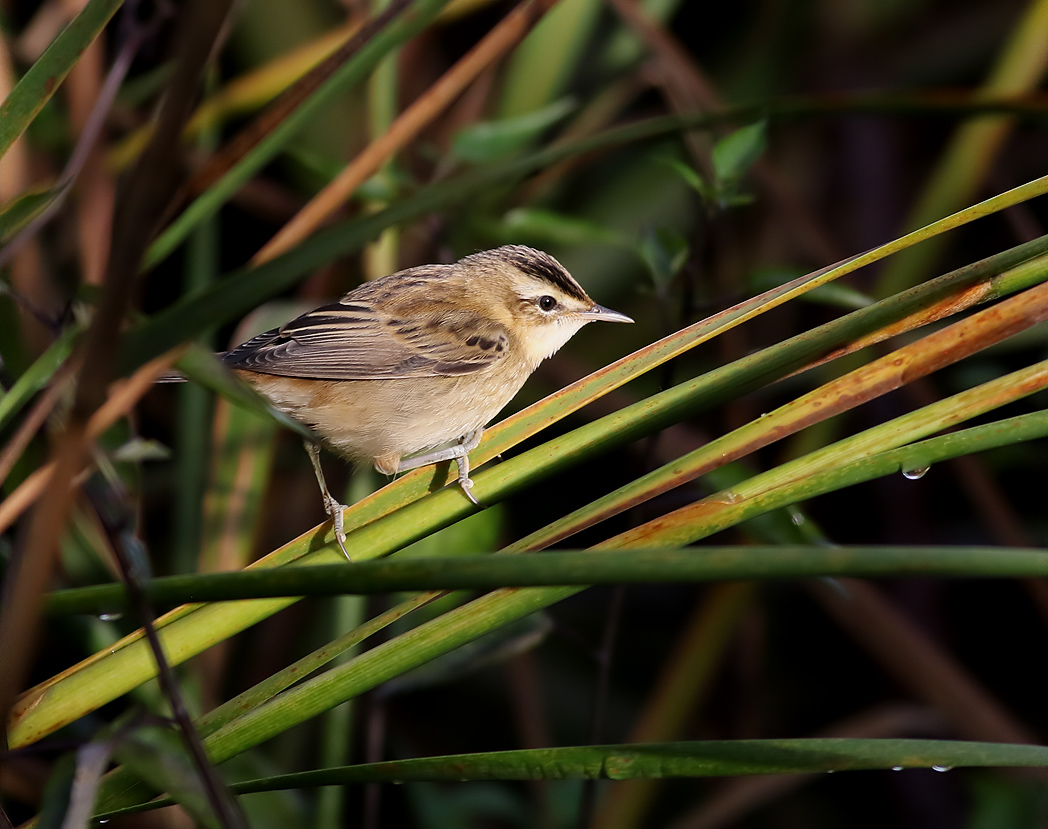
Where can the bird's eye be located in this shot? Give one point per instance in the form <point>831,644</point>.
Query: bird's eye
<point>547,303</point>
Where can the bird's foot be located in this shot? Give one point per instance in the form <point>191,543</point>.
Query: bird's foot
<point>459,453</point>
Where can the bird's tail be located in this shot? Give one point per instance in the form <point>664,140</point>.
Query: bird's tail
<point>176,376</point>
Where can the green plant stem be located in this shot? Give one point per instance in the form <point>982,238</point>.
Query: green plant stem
<point>638,566</point>
<point>706,758</point>
<point>849,461</point>
<point>194,405</point>
<point>121,785</point>
<point>38,375</point>
<point>337,735</point>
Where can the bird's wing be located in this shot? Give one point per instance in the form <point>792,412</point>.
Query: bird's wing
<point>353,340</point>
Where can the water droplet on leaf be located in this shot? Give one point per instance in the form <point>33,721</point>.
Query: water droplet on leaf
<point>914,473</point>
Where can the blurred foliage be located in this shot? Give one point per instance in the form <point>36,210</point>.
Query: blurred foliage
<point>680,159</point>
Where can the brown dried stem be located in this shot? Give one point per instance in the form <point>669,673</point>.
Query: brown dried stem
<point>404,129</point>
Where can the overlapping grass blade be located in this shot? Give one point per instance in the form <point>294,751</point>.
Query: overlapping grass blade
<point>871,380</point>
<point>850,460</point>
<point>43,78</point>
<point>824,471</point>
<point>376,532</point>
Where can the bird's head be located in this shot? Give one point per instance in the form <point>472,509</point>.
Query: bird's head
<point>534,296</point>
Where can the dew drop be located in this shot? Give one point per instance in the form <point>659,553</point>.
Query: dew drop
<point>896,768</point>
<point>797,518</point>
<point>914,473</point>
<point>941,768</point>
<point>110,617</point>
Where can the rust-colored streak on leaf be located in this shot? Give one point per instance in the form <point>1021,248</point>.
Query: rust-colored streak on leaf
<point>701,513</point>
<point>250,136</point>
<point>947,307</point>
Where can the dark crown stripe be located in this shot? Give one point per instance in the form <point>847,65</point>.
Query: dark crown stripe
<point>542,266</point>
<point>545,267</point>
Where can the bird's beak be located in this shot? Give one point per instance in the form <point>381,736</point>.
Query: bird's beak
<point>598,313</point>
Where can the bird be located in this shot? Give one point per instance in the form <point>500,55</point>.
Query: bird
<point>407,370</point>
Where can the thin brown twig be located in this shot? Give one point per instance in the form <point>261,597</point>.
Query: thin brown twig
<point>28,575</point>
<point>241,144</point>
<point>507,33</point>
<point>43,407</point>
<point>26,287</point>
<point>116,524</point>
<point>679,691</point>
<point>927,670</point>
<point>528,704</point>
<point>151,187</point>
<point>604,657</point>
<point>122,399</point>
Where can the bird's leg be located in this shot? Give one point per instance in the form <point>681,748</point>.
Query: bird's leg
<point>459,453</point>
<point>331,506</point>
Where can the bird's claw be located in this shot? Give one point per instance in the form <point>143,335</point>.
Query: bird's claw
<point>340,537</point>
<point>467,487</point>
<point>335,510</point>
<point>462,464</point>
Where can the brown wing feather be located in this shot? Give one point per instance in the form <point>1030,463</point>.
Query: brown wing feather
<point>354,340</point>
